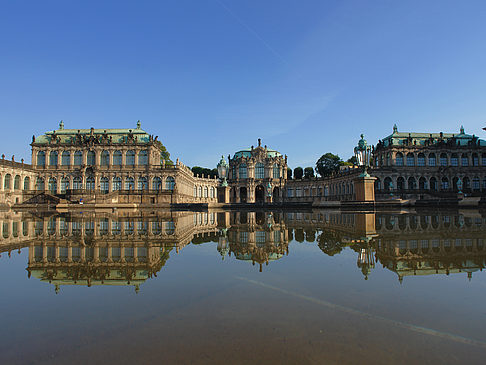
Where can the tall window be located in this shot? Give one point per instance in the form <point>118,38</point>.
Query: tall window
<point>421,160</point>
<point>53,185</point>
<point>130,160</point>
<point>445,183</point>
<point>64,184</point>
<point>7,182</point>
<point>41,158</point>
<point>66,158</point>
<point>483,159</point>
<point>27,183</point>
<point>129,183</point>
<point>243,171</point>
<point>454,160</point>
<point>17,183</point>
<point>410,159</point>
<point>53,158</point>
<point>443,159</point>
<point>104,185</point>
<point>142,183</point>
<point>276,172</point>
<point>169,183</point>
<point>432,160</point>
<point>143,158</point>
<point>78,158</point>
<point>259,171</point>
<point>117,158</point>
<point>40,186</point>
<point>91,158</point>
<point>464,160</point>
<point>77,183</point>
<point>117,183</point>
<point>157,183</point>
<point>475,159</point>
<point>105,158</point>
<point>90,183</point>
<point>399,159</point>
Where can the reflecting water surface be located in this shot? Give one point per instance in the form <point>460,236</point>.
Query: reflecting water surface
<point>243,287</point>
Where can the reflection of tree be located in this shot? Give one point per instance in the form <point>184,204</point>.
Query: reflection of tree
<point>310,235</point>
<point>299,235</point>
<point>330,242</point>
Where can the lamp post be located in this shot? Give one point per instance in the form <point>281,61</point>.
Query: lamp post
<point>363,155</point>
<point>223,171</point>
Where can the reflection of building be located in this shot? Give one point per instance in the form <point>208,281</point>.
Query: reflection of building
<point>429,244</point>
<point>429,163</point>
<point>257,175</point>
<point>257,237</point>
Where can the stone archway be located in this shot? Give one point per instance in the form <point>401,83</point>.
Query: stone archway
<point>276,194</point>
<point>243,195</point>
<point>259,194</point>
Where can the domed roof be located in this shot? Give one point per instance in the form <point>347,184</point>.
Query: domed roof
<point>247,152</point>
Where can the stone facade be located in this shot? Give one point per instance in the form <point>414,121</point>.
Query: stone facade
<point>429,164</point>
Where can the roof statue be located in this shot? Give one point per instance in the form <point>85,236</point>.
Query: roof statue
<point>462,129</point>
<point>61,125</point>
<point>395,128</point>
<point>139,125</point>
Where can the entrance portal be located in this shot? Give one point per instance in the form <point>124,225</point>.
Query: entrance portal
<point>259,194</point>
<point>243,195</point>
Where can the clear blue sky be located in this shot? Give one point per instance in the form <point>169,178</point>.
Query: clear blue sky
<point>209,77</point>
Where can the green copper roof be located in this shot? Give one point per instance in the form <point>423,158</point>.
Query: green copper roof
<point>247,153</point>
<point>117,135</point>
<point>403,138</point>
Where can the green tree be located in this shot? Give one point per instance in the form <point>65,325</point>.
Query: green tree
<point>352,160</point>
<point>289,173</point>
<point>164,154</point>
<point>197,170</point>
<point>308,173</point>
<point>298,173</point>
<point>328,164</point>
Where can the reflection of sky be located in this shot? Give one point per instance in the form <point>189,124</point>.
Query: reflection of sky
<point>196,287</point>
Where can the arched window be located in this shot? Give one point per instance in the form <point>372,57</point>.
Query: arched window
<point>243,171</point>
<point>78,158</point>
<point>388,159</point>
<point>443,159</point>
<point>387,183</point>
<point>105,158</point>
<point>432,160</point>
<point>399,159</point>
<point>412,183</point>
<point>117,158</point>
<point>410,159</point>
<point>475,159</point>
<point>464,160</point>
<point>41,158</point>
<point>422,183</point>
<point>143,158</point>
<point>104,185</point>
<point>377,184</point>
<point>77,183</point>
<point>421,160</point>
<point>142,183</point>
<point>400,183</point>
<point>466,183</point>
<point>53,185</point>
<point>90,183</point>
<point>27,183</point>
<point>129,183</point>
<point>17,182</point>
<point>445,183</point>
<point>433,184</point>
<point>157,183</point>
<point>276,172</point>
<point>212,192</point>
<point>66,158</point>
<point>91,158</point>
<point>7,182</point>
<point>130,159</point>
<point>205,191</point>
<point>199,191</point>
<point>483,159</point>
<point>53,158</point>
<point>39,184</point>
<point>259,171</point>
<point>64,184</point>
<point>195,191</point>
<point>476,183</point>
<point>117,183</point>
<point>169,183</point>
<point>454,160</point>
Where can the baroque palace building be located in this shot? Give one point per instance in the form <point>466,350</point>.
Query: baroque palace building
<point>429,164</point>
<point>257,175</point>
